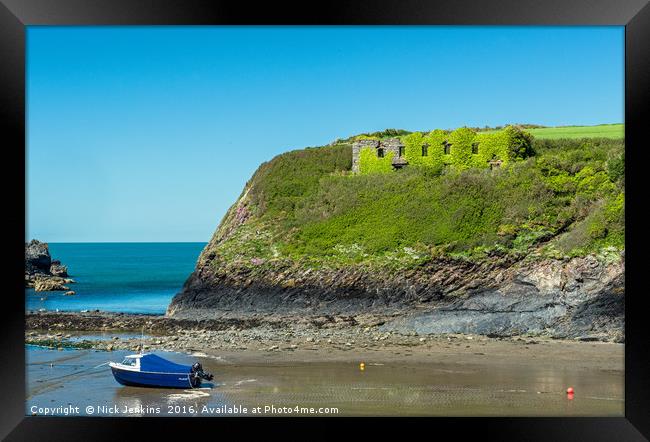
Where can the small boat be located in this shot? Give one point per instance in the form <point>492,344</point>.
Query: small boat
<point>149,370</point>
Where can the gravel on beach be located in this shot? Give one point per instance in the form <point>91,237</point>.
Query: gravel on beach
<point>272,339</point>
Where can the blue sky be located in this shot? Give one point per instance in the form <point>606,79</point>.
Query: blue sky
<point>150,133</point>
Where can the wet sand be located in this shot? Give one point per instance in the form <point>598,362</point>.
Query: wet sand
<point>281,366</point>
<point>508,379</point>
<point>277,383</point>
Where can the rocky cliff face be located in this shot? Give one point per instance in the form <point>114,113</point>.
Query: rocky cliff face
<point>281,252</point>
<point>576,298</point>
<point>41,272</point>
<point>37,258</point>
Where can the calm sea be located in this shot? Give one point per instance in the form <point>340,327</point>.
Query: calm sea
<point>119,277</point>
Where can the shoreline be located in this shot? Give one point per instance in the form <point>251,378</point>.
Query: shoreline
<point>273,340</point>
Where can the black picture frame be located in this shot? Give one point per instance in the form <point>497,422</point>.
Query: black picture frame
<point>15,15</point>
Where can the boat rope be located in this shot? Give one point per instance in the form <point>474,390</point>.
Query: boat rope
<point>78,372</point>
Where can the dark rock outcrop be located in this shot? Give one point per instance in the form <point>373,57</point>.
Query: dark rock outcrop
<point>575,299</point>
<point>41,272</point>
<point>498,297</point>
<point>37,257</point>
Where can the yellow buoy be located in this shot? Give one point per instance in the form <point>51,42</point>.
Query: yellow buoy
<point>362,366</point>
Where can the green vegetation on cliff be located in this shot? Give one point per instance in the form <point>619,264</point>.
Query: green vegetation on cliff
<point>306,205</point>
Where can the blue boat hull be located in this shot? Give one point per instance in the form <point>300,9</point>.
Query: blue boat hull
<point>150,379</point>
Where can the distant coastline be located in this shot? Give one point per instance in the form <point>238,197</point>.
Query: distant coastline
<point>128,277</point>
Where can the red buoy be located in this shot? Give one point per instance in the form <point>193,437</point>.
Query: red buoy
<point>569,390</point>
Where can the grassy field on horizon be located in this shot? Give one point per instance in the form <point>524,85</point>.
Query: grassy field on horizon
<point>602,130</point>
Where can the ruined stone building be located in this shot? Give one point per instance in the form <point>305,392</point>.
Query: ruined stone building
<point>462,148</point>
<point>382,149</point>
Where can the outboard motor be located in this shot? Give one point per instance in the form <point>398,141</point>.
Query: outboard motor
<point>198,373</point>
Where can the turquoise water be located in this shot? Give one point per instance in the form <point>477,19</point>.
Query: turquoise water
<point>119,277</point>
